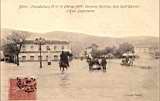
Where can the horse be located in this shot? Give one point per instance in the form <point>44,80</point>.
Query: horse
<point>65,57</point>
<point>63,66</point>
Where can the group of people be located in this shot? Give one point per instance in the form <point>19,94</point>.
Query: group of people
<point>65,57</point>
<point>101,62</point>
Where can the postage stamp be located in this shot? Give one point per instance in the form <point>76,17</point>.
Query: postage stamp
<point>22,89</point>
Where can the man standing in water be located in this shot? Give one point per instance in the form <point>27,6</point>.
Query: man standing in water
<point>104,63</point>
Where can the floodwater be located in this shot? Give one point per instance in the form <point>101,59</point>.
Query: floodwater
<point>119,83</point>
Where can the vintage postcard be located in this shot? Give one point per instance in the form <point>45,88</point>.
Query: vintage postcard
<point>80,50</point>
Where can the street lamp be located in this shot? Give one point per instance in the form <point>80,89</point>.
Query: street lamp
<point>40,41</point>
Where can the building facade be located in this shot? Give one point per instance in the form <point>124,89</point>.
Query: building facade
<point>50,50</point>
<point>148,50</point>
<point>88,51</point>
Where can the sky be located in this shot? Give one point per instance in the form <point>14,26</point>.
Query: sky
<point>114,22</point>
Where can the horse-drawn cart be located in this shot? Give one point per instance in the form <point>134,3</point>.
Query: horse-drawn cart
<point>127,59</point>
<point>97,63</point>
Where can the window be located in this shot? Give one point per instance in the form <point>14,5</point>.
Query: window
<point>55,57</point>
<point>47,48</point>
<point>55,47</point>
<point>46,57</point>
<point>39,57</point>
<point>32,46</point>
<point>23,58</point>
<point>31,57</point>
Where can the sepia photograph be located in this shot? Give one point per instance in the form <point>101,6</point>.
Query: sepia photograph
<point>85,50</point>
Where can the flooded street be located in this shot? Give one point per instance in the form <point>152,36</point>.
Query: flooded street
<point>118,83</point>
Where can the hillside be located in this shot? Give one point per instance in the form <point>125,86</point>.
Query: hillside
<point>80,41</point>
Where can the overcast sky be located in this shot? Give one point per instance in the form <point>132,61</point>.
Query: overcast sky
<point>103,22</point>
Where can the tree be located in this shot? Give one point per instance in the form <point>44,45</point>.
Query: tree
<point>110,50</point>
<point>10,51</point>
<point>13,44</point>
<point>125,47</point>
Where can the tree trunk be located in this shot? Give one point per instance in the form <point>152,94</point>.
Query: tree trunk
<point>17,59</point>
<point>18,54</point>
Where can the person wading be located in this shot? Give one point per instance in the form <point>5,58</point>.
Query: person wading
<point>104,63</point>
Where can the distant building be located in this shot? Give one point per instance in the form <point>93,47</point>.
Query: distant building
<point>152,51</point>
<point>146,49</point>
<point>30,51</point>
<point>88,51</point>
<point>141,49</point>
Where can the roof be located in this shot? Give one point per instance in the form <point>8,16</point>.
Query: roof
<point>47,42</point>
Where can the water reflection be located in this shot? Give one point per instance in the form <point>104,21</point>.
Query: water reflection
<point>64,81</point>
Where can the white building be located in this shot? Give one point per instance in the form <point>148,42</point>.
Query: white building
<point>88,51</point>
<point>146,49</point>
<point>141,50</point>
<point>30,51</point>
